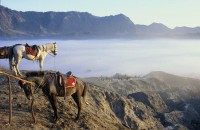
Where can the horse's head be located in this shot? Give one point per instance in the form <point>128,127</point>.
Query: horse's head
<point>27,89</point>
<point>54,51</point>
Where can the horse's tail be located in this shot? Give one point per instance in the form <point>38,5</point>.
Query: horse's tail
<point>10,56</point>
<point>84,94</point>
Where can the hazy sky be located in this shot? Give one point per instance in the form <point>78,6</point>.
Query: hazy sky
<point>169,12</point>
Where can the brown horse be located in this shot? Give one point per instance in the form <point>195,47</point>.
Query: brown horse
<point>6,53</point>
<point>48,82</point>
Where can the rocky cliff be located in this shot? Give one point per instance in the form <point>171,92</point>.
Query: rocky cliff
<point>167,101</point>
<point>156,101</point>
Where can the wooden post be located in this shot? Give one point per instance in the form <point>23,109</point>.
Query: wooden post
<point>32,107</point>
<point>10,101</point>
<point>10,95</point>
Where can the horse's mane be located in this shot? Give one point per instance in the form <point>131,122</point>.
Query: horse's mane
<point>39,73</point>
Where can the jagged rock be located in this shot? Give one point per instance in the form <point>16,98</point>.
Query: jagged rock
<point>148,105</point>
<point>152,100</point>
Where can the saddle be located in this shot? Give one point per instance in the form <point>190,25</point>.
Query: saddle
<point>65,82</point>
<point>4,53</point>
<point>31,50</point>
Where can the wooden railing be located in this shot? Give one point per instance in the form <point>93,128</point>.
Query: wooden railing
<point>10,94</point>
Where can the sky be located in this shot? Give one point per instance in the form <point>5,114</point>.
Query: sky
<point>171,13</point>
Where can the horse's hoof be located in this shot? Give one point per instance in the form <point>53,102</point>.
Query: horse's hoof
<point>34,122</point>
<point>76,119</point>
<point>55,119</point>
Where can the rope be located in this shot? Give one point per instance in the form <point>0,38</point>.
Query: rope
<point>54,61</point>
<point>37,88</point>
<point>51,54</point>
<point>44,81</point>
<point>55,64</point>
<point>50,77</point>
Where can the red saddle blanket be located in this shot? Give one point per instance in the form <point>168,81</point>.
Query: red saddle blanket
<point>71,82</point>
<point>31,51</point>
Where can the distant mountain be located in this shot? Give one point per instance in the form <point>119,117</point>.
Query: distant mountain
<point>154,29</point>
<point>17,24</point>
<point>181,30</point>
<point>41,24</point>
<point>160,30</point>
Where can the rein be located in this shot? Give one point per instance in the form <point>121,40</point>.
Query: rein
<point>37,87</point>
<point>54,56</point>
<point>44,82</point>
<point>51,54</point>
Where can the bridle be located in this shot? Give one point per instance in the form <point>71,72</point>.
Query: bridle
<point>54,51</point>
<point>54,48</point>
<point>43,82</point>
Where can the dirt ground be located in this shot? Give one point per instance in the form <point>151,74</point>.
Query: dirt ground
<point>92,116</point>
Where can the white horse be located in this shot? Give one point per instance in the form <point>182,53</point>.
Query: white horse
<point>19,52</point>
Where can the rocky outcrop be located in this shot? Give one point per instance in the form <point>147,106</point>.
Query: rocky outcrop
<point>152,100</point>
<point>169,99</point>
<point>148,105</point>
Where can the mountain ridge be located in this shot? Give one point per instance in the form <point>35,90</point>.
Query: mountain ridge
<point>32,24</point>
<point>46,24</point>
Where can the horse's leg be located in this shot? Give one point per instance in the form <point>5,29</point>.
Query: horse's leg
<point>10,63</point>
<point>10,57</point>
<point>53,101</point>
<point>17,61</point>
<point>15,70</point>
<point>41,63</point>
<point>14,66</point>
<point>77,99</point>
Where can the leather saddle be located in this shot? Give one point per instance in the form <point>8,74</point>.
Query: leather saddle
<point>31,50</point>
<point>64,82</point>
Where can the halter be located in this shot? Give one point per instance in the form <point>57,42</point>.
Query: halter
<point>44,48</point>
<point>54,48</point>
<point>43,83</point>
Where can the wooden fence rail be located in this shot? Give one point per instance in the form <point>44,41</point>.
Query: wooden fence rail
<point>10,94</point>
